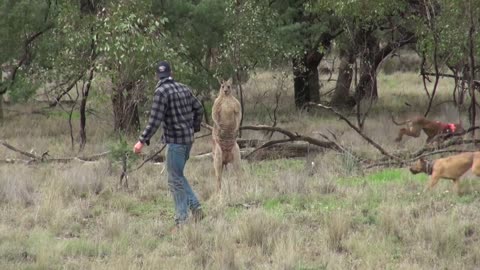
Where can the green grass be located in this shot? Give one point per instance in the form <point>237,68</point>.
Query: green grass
<point>265,168</point>
<point>151,209</point>
<point>84,247</point>
<point>384,176</point>
<point>277,215</point>
<point>292,205</point>
<point>64,115</point>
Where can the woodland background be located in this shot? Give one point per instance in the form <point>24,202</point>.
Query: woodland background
<point>329,191</point>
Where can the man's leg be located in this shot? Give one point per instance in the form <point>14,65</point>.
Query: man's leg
<point>175,165</point>
<point>192,199</point>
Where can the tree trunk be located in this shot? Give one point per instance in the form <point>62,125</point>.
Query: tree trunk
<point>83,108</point>
<point>471,32</point>
<point>1,109</point>
<point>88,7</point>
<point>125,108</point>
<point>341,97</point>
<point>305,78</point>
<point>372,56</point>
<point>367,85</point>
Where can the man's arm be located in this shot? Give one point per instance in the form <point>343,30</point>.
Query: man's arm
<point>157,114</point>
<point>197,114</point>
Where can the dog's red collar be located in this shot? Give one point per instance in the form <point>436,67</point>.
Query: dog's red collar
<point>452,127</point>
<point>448,127</point>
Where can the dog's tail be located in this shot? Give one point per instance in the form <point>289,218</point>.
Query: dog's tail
<point>397,123</point>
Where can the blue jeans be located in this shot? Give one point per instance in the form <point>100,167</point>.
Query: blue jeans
<point>183,196</point>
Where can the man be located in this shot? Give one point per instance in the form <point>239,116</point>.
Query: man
<point>180,113</point>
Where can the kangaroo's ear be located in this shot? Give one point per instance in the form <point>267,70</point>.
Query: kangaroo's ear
<point>230,80</point>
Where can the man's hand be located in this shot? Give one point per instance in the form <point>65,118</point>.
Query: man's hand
<point>137,149</point>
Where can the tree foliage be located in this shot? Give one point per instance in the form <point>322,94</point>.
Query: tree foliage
<point>60,41</point>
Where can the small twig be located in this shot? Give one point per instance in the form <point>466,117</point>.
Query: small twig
<point>124,175</point>
<point>148,159</point>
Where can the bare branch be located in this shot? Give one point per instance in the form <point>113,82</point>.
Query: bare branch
<point>370,141</point>
<point>19,151</point>
<point>66,91</point>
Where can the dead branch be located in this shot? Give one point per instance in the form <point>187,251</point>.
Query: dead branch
<point>268,144</point>
<point>437,152</point>
<point>30,155</point>
<point>446,136</point>
<point>402,163</point>
<point>293,136</point>
<point>43,158</point>
<point>345,150</point>
<point>94,157</point>
<point>14,161</point>
<point>370,141</point>
<point>443,146</point>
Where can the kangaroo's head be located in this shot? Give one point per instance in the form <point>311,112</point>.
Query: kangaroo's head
<point>226,87</point>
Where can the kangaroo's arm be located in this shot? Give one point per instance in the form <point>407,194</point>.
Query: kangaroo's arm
<point>216,112</point>
<point>238,114</point>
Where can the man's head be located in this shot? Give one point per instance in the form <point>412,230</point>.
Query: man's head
<point>163,70</point>
<point>226,87</point>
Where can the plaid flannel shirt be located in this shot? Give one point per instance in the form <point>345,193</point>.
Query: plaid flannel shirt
<point>180,113</point>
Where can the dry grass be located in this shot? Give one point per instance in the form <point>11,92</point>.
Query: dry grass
<point>315,213</point>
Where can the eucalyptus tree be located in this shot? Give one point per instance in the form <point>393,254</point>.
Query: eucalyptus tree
<point>448,36</point>
<point>308,29</point>
<point>130,42</point>
<point>373,30</point>
<point>22,24</point>
<point>119,41</point>
<point>197,29</point>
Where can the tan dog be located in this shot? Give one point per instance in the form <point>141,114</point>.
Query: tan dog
<point>431,128</point>
<point>452,167</point>
<point>226,115</point>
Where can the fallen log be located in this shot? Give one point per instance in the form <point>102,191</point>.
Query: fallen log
<point>279,151</point>
<point>285,151</point>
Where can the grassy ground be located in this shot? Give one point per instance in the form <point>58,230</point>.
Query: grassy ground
<point>283,214</point>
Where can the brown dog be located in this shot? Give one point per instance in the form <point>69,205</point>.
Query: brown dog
<point>452,167</point>
<point>431,128</point>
